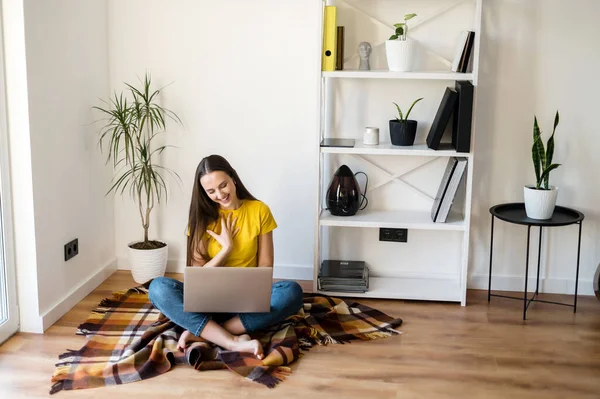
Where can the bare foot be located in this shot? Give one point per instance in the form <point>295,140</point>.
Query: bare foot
<point>243,337</point>
<point>248,346</point>
<point>187,337</point>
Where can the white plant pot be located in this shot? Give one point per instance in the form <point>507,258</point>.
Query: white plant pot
<point>399,54</point>
<point>539,204</point>
<point>147,264</point>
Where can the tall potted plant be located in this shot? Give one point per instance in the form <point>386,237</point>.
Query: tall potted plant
<point>540,199</point>
<point>403,130</point>
<point>134,121</point>
<point>399,50</point>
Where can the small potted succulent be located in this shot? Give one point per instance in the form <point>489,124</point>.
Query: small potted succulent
<point>402,129</point>
<point>540,198</point>
<point>399,50</point>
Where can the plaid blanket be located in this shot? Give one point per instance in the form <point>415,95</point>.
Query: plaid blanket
<point>129,340</point>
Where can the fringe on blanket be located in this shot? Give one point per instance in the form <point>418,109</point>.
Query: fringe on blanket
<point>273,377</point>
<point>317,337</point>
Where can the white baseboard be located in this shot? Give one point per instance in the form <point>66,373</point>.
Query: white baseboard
<point>293,272</point>
<point>77,294</point>
<point>517,283</point>
<point>477,282</point>
<point>290,272</point>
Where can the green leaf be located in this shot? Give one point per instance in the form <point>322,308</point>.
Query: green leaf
<point>537,152</point>
<point>399,31</point>
<point>546,174</point>
<point>399,25</point>
<point>550,147</point>
<point>399,111</point>
<point>393,37</point>
<point>409,16</point>
<point>411,107</point>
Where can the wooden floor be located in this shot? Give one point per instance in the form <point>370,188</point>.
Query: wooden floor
<point>447,351</point>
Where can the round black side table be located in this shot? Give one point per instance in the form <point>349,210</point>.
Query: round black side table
<point>515,213</point>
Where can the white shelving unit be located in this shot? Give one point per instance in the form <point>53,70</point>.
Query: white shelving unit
<point>389,149</point>
<point>392,219</point>
<point>415,288</point>
<point>435,286</point>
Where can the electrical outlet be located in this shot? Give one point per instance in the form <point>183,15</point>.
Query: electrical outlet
<point>395,235</point>
<point>71,249</point>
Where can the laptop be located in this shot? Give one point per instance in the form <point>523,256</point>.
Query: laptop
<point>227,289</point>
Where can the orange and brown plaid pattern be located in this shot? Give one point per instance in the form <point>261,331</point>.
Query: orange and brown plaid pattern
<point>129,340</point>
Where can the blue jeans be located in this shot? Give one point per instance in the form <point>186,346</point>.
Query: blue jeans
<point>167,296</point>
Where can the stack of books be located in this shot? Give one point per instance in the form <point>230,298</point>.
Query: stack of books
<point>343,276</point>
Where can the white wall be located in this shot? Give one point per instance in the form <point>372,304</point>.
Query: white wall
<point>245,83</point>
<point>67,70</point>
<point>532,62</point>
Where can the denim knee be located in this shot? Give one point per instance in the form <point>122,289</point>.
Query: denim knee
<point>158,288</point>
<point>293,296</point>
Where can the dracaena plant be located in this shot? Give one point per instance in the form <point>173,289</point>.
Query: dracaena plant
<point>133,122</point>
<point>404,118</point>
<point>542,157</point>
<point>402,28</point>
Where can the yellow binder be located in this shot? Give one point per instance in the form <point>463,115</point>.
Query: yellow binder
<point>329,39</point>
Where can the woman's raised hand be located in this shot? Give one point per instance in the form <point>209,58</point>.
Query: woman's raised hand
<point>228,232</point>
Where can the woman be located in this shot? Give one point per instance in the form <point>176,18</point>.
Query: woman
<point>227,227</point>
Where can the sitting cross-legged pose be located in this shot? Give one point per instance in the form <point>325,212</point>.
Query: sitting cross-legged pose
<point>227,226</point>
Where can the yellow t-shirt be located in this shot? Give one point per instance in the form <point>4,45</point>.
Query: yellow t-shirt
<point>254,218</point>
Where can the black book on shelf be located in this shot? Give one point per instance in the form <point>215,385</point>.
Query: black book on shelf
<point>461,45</point>
<point>339,55</point>
<point>441,119</point>
<point>463,112</point>
<point>450,193</point>
<point>466,55</point>
<point>437,202</point>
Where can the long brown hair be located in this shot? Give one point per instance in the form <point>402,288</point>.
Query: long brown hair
<point>203,210</point>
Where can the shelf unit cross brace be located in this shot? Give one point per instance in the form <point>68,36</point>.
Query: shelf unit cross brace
<point>396,177</point>
<point>415,26</point>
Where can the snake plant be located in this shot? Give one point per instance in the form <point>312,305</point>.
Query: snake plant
<point>542,157</point>
<point>404,118</point>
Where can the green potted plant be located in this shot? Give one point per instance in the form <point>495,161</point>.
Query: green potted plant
<point>403,130</point>
<point>133,122</point>
<point>540,199</point>
<point>399,50</point>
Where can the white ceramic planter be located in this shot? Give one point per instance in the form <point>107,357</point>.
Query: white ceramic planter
<point>539,204</point>
<point>400,55</point>
<point>147,264</point>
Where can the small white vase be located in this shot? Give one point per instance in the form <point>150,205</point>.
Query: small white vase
<point>147,264</point>
<point>539,204</point>
<point>399,54</point>
<point>371,136</point>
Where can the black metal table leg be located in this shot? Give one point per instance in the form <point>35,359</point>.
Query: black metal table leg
<point>491,252</point>
<point>517,214</point>
<point>577,272</point>
<point>526,275</point>
<point>537,281</point>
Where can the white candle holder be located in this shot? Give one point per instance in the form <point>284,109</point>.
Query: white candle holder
<point>371,136</point>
